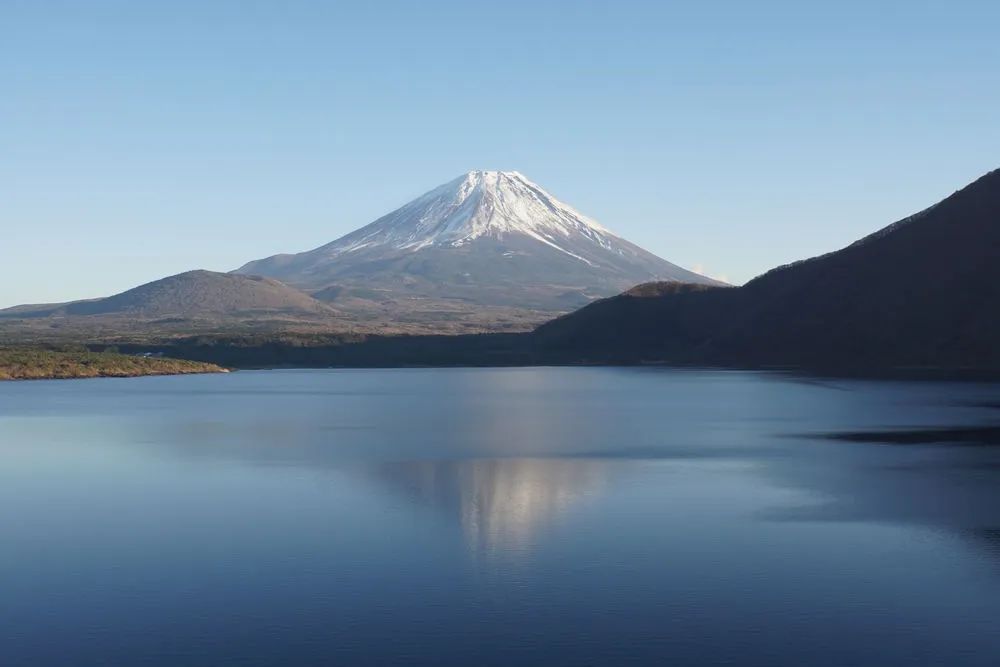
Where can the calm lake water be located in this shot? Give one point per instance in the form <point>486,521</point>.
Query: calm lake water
<point>495,516</point>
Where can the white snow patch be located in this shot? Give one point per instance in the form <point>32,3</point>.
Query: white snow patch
<point>480,204</point>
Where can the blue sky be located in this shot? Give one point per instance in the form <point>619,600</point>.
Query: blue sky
<point>141,139</point>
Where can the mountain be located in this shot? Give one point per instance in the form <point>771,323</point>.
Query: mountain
<point>195,295</point>
<point>484,242</point>
<point>922,292</point>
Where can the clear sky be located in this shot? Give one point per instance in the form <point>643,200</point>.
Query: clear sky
<point>141,139</point>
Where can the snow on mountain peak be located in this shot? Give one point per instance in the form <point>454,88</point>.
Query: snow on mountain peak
<point>477,204</point>
<point>485,239</point>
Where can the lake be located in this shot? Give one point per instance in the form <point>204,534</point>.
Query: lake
<point>552,516</point>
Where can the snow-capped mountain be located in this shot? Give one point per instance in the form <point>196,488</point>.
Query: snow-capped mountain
<point>486,239</point>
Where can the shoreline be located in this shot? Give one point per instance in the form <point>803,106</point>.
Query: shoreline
<point>110,376</point>
<point>32,363</point>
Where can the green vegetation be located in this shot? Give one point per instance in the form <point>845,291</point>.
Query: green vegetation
<point>33,363</point>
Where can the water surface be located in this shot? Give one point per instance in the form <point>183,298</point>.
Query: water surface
<point>497,516</point>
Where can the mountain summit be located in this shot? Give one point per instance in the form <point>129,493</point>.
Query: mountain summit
<point>480,204</point>
<point>487,240</point>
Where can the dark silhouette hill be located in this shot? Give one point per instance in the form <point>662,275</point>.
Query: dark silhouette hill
<point>923,292</point>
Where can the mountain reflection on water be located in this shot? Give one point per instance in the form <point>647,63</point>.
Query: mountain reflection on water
<point>501,504</point>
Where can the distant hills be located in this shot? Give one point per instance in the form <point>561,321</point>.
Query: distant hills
<point>484,243</point>
<point>192,300</point>
<point>923,292</point>
<point>191,294</point>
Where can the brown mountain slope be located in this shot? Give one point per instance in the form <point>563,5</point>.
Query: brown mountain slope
<point>195,294</point>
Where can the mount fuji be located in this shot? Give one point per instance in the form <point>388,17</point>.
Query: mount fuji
<point>487,246</point>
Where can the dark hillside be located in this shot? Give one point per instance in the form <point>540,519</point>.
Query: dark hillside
<point>923,292</point>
